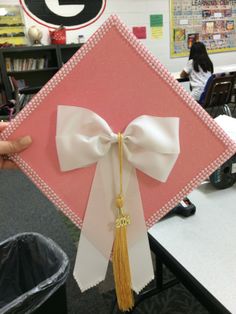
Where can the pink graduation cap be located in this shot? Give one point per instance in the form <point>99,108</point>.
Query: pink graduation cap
<point>114,126</point>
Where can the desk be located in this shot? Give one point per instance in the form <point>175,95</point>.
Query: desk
<point>201,249</point>
<point>225,68</point>
<point>219,69</point>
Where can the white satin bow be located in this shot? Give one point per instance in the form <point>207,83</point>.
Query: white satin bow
<point>150,144</point>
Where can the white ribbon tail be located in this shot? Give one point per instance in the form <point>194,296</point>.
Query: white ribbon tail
<point>97,234</point>
<point>138,244</point>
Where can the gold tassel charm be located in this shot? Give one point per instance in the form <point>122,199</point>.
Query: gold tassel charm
<point>120,258</point>
<point>121,268</point>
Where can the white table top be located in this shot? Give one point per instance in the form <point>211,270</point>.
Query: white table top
<point>218,69</point>
<point>205,243</point>
<point>225,68</point>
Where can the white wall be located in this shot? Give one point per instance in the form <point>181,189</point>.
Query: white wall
<point>136,13</point>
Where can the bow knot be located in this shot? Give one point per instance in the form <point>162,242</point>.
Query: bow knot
<point>114,138</point>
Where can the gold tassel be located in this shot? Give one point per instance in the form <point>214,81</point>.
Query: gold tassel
<point>121,268</point>
<point>120,259</point>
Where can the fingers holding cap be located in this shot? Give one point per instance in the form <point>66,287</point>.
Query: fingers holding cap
<point>16,146</point>
<point>3,125</point>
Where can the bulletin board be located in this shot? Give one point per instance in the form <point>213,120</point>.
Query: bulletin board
<point>211,21</point>
<point>12,27</point>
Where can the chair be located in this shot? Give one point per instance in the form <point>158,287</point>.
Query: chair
<point>217,94</point>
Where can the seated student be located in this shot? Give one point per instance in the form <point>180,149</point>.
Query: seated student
<point>199,68</point>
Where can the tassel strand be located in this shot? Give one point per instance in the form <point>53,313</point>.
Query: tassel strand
<point>121,267</point>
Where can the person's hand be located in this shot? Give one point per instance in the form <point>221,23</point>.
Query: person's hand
<point>11,147</point>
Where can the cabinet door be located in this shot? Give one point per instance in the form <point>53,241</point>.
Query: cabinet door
<point>67,51</point>
<point>2,93</point>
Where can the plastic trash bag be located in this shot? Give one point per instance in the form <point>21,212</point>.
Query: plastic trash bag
<point>32,268</point>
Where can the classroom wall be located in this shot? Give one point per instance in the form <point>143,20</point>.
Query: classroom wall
<point>135,13</point>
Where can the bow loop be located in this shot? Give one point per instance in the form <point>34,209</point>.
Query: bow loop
<point>152,145</point>
<point>82,137</point>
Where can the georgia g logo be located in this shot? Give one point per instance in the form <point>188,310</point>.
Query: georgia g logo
<point>72,14</point>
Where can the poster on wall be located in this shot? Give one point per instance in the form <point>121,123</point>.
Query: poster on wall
<point>72,14</point>
<point>156,24</point>
<point>140,32</point>
<point>209,21</point>
<point>12,27</point>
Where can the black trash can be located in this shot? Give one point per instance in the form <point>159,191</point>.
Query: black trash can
<point>33,272</point>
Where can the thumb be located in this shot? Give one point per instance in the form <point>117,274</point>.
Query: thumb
<point>3,125</point>
<point>16,146</point>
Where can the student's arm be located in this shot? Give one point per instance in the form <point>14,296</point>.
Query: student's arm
<point>187,69</point>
